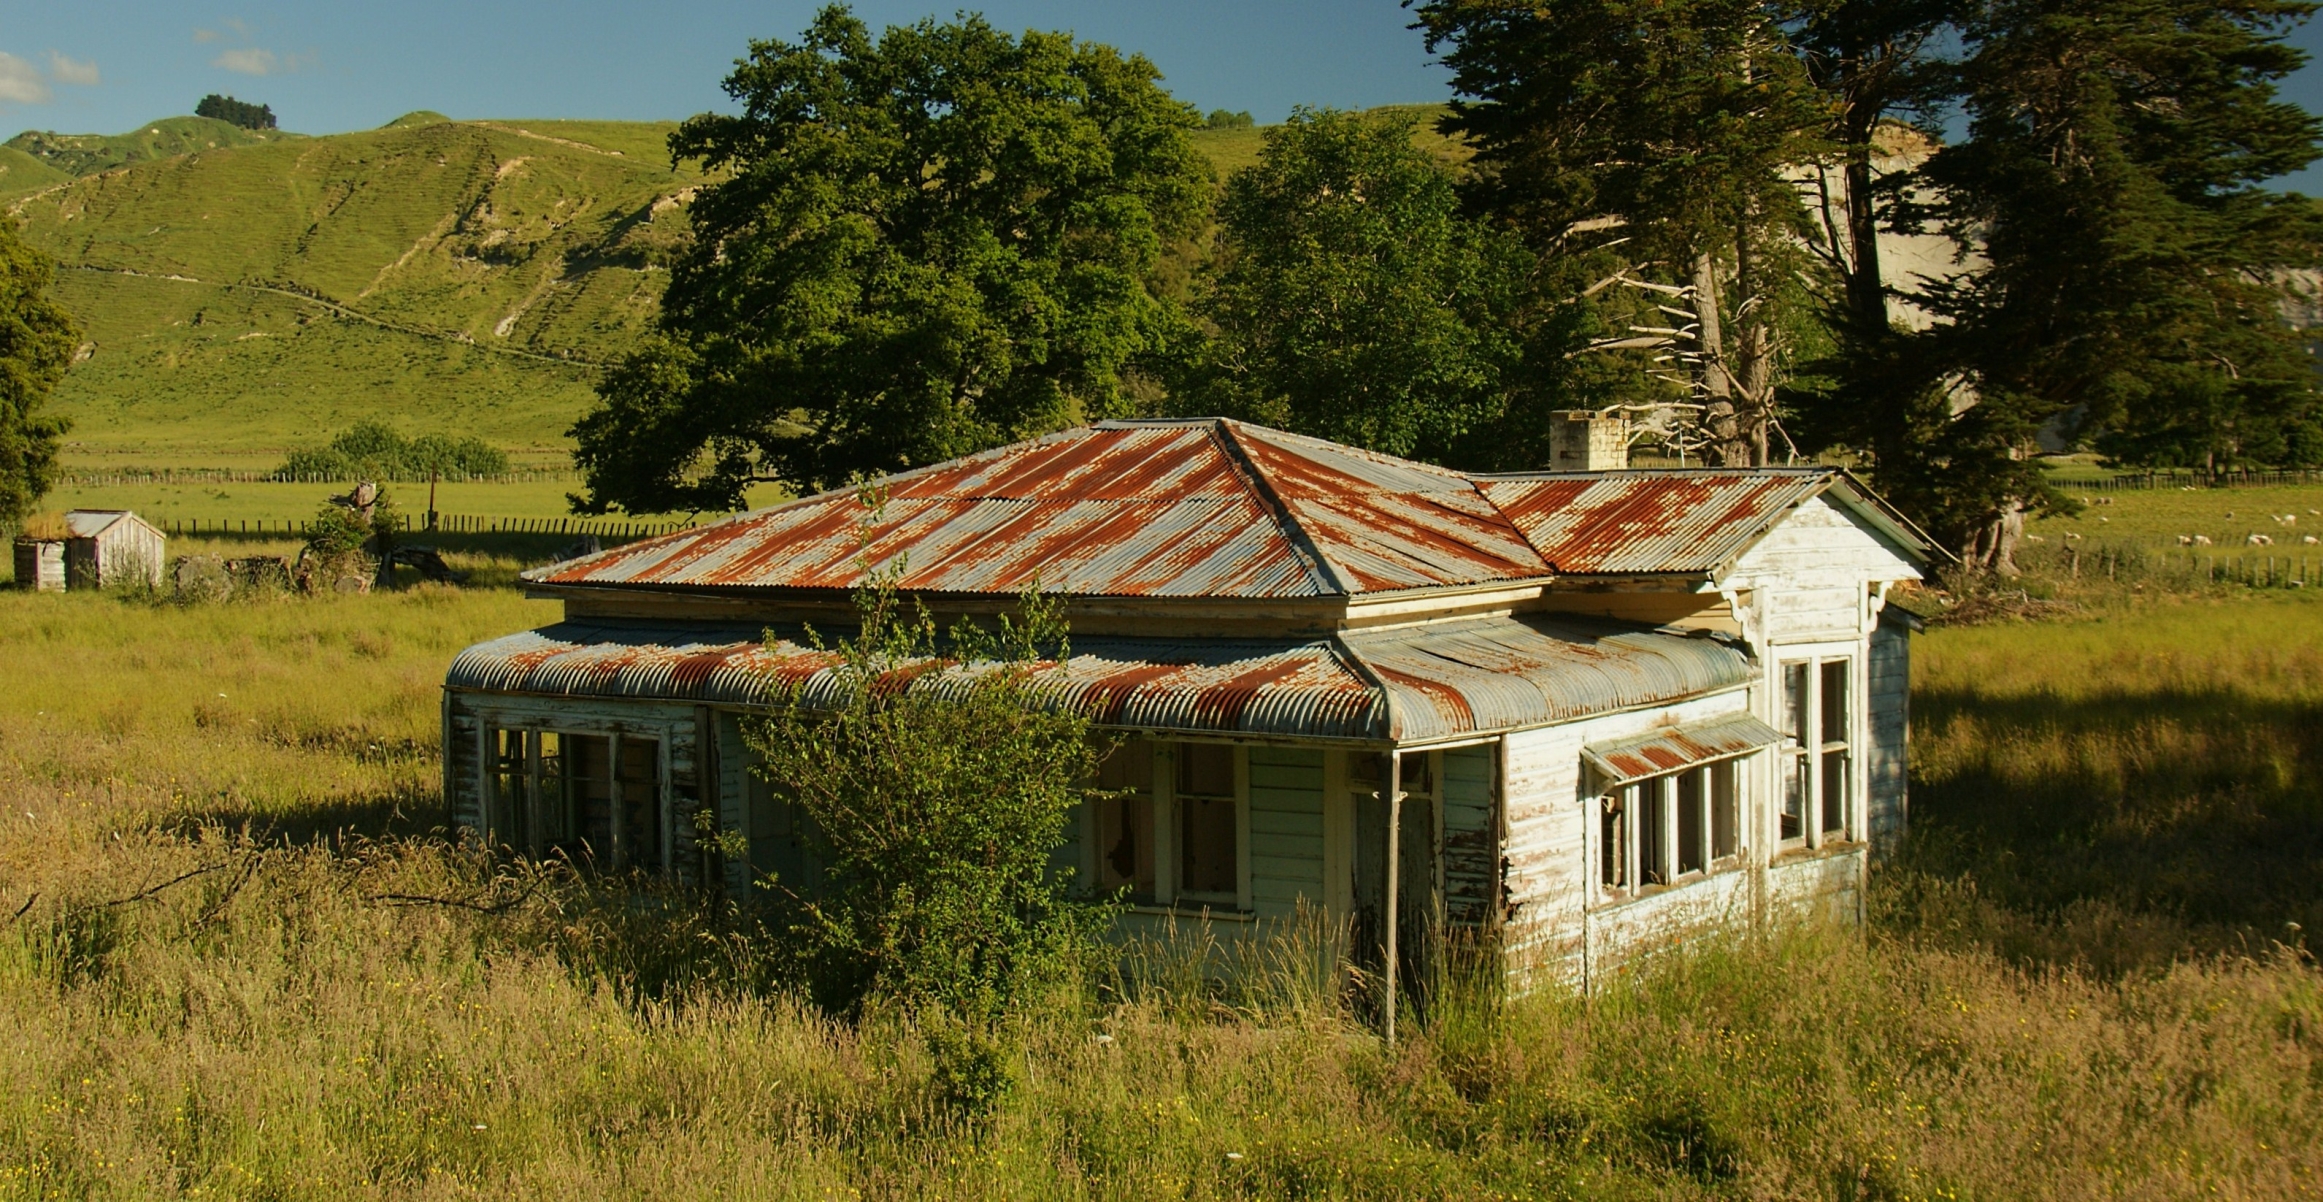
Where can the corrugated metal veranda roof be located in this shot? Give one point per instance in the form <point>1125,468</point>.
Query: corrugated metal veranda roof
<point>1438,681</point>
<point>1676,747</point>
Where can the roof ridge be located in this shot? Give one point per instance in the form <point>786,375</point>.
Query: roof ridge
<point>1293,531</point>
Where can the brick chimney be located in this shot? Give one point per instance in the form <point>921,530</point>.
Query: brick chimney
<point>1586,440</point>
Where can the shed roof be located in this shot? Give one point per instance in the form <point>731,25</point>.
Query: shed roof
<point>90,523</point>
<point>1222,509</point>
<point>1438,681</point>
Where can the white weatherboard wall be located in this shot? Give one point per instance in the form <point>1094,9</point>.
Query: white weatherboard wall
<point>1286,829</point>
<point>1551,811</point>
<point>1810,578</point>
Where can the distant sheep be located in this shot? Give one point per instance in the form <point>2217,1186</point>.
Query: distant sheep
<point>2201,540</point>
<point>2260,540</point>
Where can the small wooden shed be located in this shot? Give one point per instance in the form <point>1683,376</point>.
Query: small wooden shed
<point>107,548</point>
<point>40,563</point>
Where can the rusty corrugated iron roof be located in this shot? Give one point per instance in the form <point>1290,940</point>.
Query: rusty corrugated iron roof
<point>1673,748</point>
<point>1475,676</point>
<point>1220,509</point>
<point>1672,521</point>
<point>1160,509</point>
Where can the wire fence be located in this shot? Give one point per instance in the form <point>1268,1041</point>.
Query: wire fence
<point>2238,478</point>
<point>204,475</point>
<point>611,529</point>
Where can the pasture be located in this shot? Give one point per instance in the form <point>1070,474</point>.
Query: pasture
<point>241,958</point>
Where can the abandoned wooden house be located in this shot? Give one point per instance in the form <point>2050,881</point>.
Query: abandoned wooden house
<point>1581,709</point>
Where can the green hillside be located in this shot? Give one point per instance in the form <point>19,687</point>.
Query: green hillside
<point>87,154</point>
<point>444,276</point>
<point>21,173</point>
<point>245,293</point>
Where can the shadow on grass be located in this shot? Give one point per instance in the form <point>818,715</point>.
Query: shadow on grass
<point>334,823</point>
<point>2115,831</point>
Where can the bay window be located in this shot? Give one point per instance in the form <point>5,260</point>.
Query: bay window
<point>1665,829</point>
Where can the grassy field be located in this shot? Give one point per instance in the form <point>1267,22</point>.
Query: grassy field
<point>2153,520</point>
<point>244,961</point>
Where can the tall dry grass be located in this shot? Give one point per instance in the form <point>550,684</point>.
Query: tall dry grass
<point>240,965</point>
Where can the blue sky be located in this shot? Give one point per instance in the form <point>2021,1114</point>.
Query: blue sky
<point>103,67</point>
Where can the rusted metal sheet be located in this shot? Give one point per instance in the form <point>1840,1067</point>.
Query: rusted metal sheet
<point>1470,677</point>
<point>1678,747</point>
<point>1161,509</point>
<point>1494,674</point>
<point>1257,687</point>
<point>1649,521</point>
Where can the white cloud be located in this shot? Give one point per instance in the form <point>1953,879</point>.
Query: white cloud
<point>72,70</point>
<point>20,81</point>
<point>249,61</point>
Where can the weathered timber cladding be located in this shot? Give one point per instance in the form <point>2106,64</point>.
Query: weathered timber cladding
<point>1817,885</point>
<point>1471,836</point>
<point>1286,829</point>
<point>1811,572</point>
<point>1890,701</point>
<point>1545,852</point>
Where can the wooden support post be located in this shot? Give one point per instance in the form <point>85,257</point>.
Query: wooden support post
<point>486,780</point>
<point>665,785</point>
<point>532,805</point>
<point>620,836</point>
<point>1394,911</point>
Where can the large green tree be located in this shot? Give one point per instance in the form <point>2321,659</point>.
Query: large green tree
<point>37,341</point>
<point>1352,299</point>
<point>920,245</point>
<point>2132,268</point>
<point>1667,130</point>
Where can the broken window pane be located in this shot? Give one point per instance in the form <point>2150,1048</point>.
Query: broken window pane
<point>1693,847</point>
<point>1612,841</point>
<point>1123,826</point>
<point>1835,781</point>
<point>1725,810</point>
<point>1652,854</point>
<point>1206,769</point>
<point>1207,867</point>
<point>1834,699</point>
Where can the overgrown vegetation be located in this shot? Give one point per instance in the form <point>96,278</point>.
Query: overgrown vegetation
<point>371,450</point>
<point>245,959</point>
<point>932,816</point>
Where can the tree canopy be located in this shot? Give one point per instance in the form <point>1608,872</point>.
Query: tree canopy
<point>236,112</point>
<point>1353,300</point>
<point>37,343</point>
<point>922,244</point>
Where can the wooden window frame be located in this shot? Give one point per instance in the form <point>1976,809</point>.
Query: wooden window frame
<point>1806,752</point>
<point>1167,887</point>
<point>1616,837</point>
<point>490,800</point>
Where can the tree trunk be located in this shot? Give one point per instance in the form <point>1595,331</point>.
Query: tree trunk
<point>1753,370</point>
<point>1719,420</point>
<point>1866,292</point>
<point>1993,548</point>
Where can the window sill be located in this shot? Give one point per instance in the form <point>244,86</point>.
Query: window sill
<point>1802,853</point>
<point>1209,911</point>
<point>1724,869</point>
